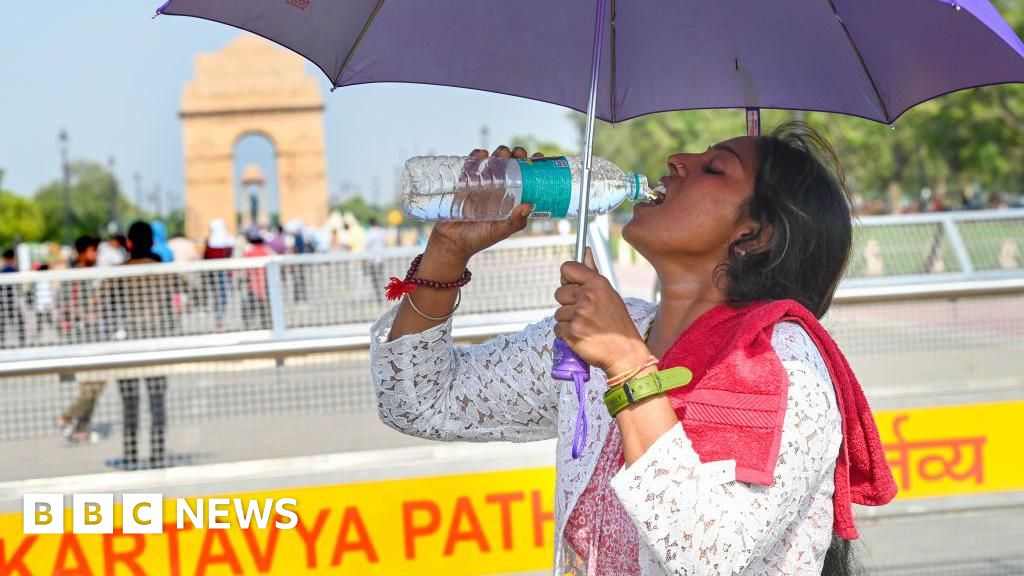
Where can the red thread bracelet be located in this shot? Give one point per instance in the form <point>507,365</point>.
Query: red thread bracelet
<point>397,288</point>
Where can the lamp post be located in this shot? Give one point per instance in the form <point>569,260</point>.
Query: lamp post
<point>66,173</point>
<point>138,196</point>
<point>115,224</point>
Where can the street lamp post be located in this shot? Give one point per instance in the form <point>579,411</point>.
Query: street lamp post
<point>115,224</point>
<point>66,173</point>
<point>138,196</point>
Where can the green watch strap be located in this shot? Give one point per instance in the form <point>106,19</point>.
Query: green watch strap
<point>638,389</point>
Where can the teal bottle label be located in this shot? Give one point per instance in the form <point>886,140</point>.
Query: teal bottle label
<point>547,184</point>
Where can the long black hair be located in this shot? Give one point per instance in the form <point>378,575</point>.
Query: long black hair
<point>801,205</point>
<point>801,246</point>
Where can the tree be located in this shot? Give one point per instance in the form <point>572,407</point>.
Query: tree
<point>534,145</point>
<point>361,210</point>
<point>91,192</point>
<point>175,222</point>
<point>20,220</point>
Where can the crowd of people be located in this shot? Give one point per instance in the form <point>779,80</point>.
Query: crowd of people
<point>129,307</point>
<point>46,307</point>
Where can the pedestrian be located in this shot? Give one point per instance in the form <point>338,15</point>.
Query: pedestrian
<point>113,252</point>
<point>12,317</point>
<point>300,245</point>
<point>80,324</point>
<point>219,244</point>
<point>42,301</point>
<point>144,304</point>
<point>726,432</point>
<point>376,238</point>
<point>255,312</point>
<point>160,247</point>
<point>277,240</point>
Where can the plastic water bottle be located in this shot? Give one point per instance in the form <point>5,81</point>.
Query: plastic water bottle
<point>439,188</point>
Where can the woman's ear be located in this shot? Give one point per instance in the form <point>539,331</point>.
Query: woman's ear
<point>754,238</point>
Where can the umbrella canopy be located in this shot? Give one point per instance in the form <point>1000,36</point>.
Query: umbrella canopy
<point>869,58</point>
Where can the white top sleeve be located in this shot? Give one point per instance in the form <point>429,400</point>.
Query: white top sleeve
<point>696,518</point>
<point>498,390</point>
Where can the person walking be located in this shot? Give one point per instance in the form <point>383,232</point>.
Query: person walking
<point>726,432</point>
<point>79,324</point>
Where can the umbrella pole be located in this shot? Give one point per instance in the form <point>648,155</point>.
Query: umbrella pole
<point>588,139</point>
<point>753,121</point>
<point>566,364</point>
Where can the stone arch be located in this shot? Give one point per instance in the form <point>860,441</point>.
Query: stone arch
<point>252,86</point>
<point>260,142</point>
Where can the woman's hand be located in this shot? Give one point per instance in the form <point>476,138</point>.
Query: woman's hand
<point>594,322</point>
<point>448,251</point>
<point>459,241</point>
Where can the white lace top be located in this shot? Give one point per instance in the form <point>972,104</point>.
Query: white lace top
<point>692,518</point>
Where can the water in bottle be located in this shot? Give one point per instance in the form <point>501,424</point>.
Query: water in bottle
<point>440,188</point>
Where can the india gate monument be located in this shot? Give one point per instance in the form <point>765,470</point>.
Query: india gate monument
<point>252,87</point>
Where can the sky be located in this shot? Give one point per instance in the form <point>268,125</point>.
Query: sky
<point>112,77</point>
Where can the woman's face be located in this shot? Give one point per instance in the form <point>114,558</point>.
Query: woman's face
<point>700,214</point>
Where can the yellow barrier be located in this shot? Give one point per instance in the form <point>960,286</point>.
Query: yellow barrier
<point>483,523</point>
<point>954,450</point>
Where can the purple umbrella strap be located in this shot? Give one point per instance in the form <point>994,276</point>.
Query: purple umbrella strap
<point>579,439</point>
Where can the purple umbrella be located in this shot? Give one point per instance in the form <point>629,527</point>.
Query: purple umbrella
<point>870,58</point>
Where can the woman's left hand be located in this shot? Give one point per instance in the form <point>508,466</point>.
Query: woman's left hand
<point>594,322</point>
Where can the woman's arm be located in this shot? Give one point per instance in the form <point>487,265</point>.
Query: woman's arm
<point>696,518</point>
<point>499,390</point>
<point>441,265</point>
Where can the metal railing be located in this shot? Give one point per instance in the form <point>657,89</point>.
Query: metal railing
<point>926,343</point>
<point>234,300</point>
<point>941,244</point>
<point>280,296</point>
<point>480,326</point>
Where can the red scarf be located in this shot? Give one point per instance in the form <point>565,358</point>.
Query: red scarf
<point>734,408</point>
<point>735,405</point>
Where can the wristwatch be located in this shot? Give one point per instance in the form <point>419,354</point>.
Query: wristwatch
<point>635,390</point>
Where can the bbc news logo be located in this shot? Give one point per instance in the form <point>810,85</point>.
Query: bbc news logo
<point>144,513</point>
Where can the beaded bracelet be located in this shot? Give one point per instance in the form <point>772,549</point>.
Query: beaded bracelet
<point>397,288</point>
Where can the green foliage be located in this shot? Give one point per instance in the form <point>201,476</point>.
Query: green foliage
<point>91,195</point>
<point>175,222</point>
<point>534,145</point>
<point>361,210</point>
<point>20,220</point>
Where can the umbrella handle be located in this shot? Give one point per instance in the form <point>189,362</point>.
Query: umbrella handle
<point>568,366</point>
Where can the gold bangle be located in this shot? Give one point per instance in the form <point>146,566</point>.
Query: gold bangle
<point>458,301</point>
